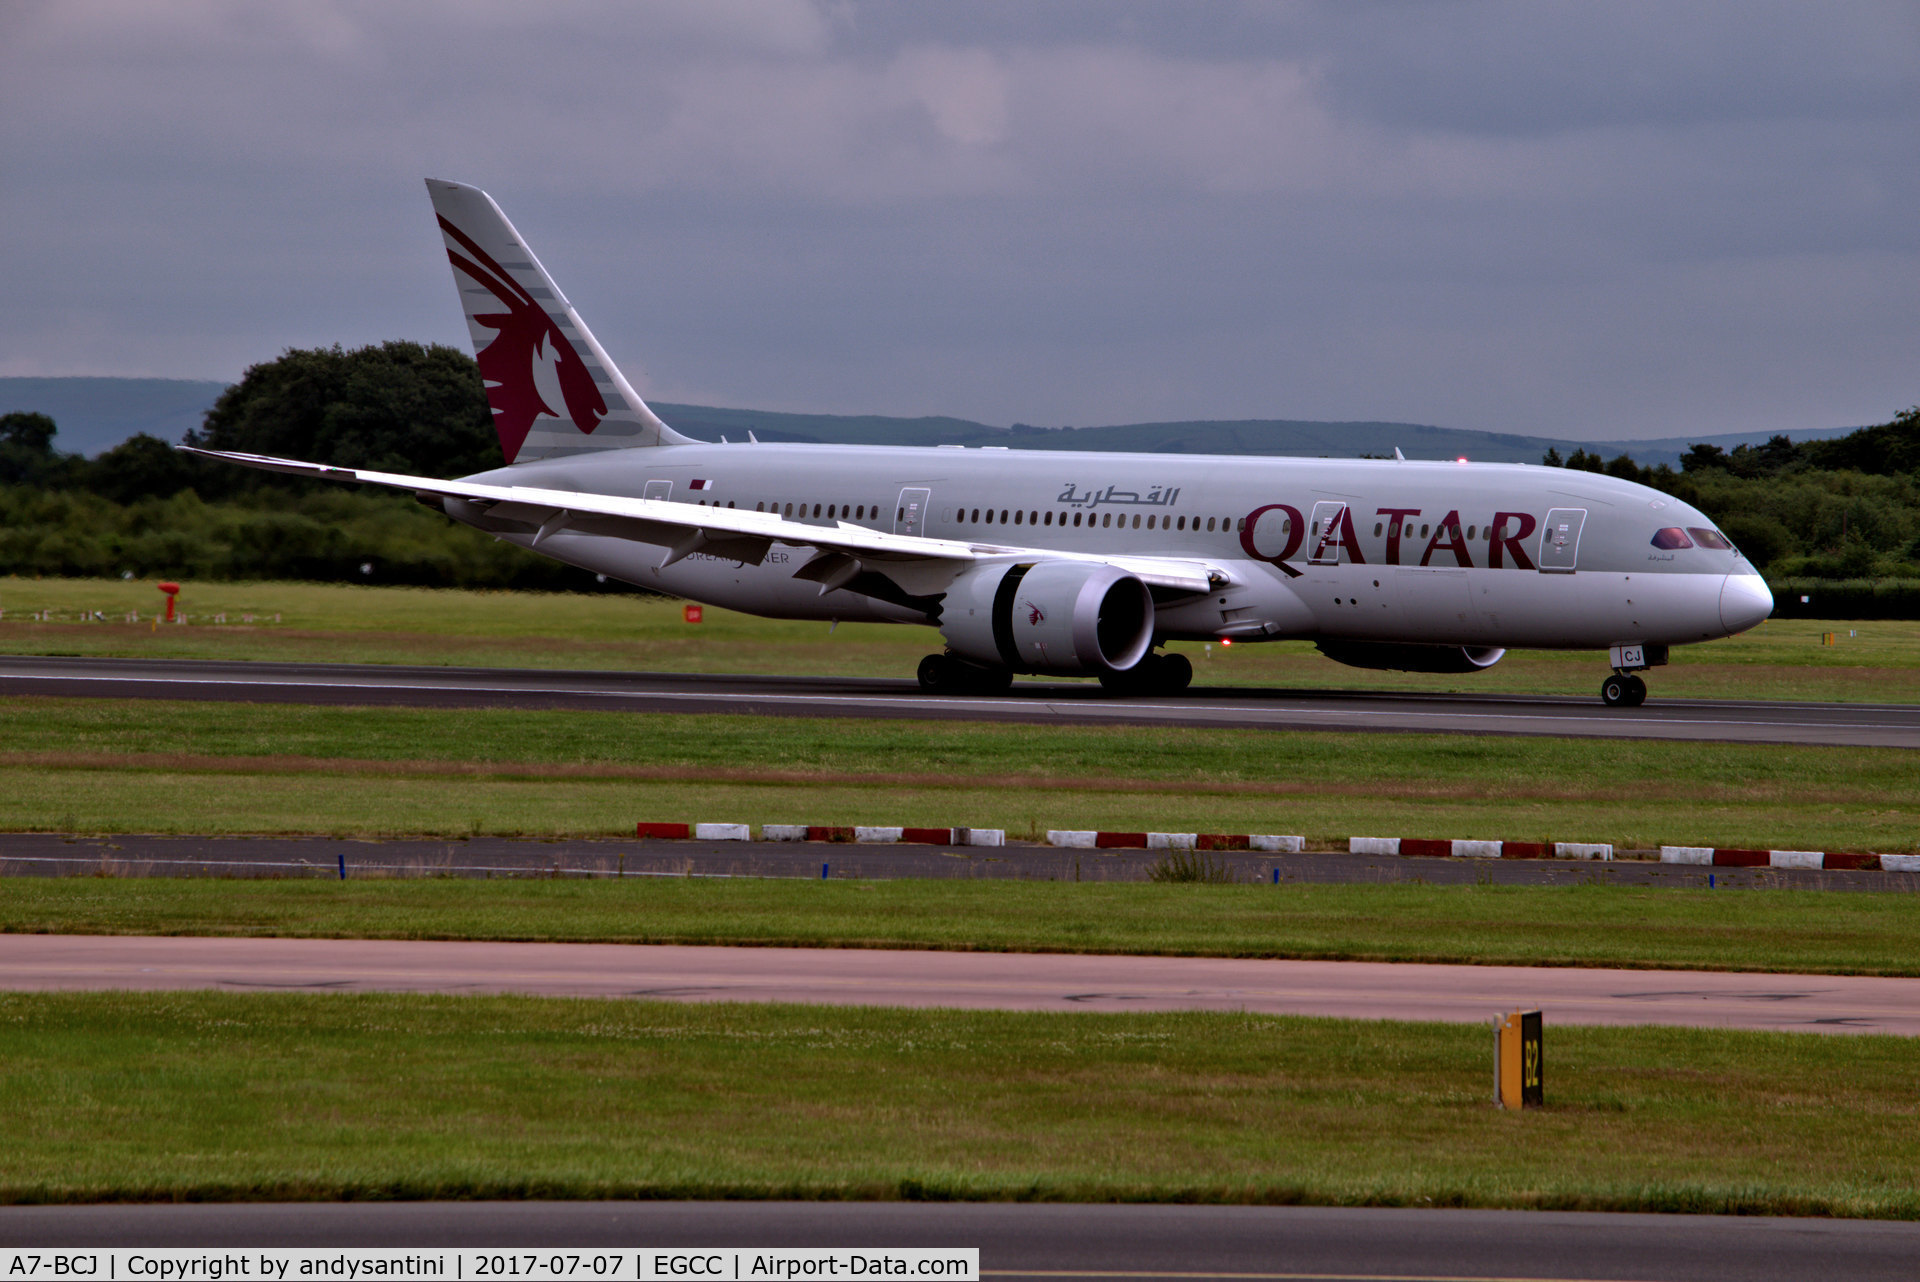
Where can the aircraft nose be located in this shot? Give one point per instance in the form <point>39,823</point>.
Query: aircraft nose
<point>1744,601</point>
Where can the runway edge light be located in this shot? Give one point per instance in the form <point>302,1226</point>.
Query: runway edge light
<point>1517,1060</point>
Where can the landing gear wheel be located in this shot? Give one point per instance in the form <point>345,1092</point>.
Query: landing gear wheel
<point>939,674</point>
<point>989,681</point>
<point>1139,679</point>
<point>944,674</point>
<point>1154,674</point>
<point>1623,690</point>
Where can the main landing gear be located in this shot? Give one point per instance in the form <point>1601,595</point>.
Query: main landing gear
<point>944,674</point>
<point>1623,690</point>
<point>1154,674</point>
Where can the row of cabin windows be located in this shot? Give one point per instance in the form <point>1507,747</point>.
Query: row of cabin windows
<point>834,511</point>
<point>1394,528</point>
<point>1101,520</point>
<point>1668,539</point>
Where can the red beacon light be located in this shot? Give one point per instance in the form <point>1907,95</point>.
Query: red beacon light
<point>173,591</point>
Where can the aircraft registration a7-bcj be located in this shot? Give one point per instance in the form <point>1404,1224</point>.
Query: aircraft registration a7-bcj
<point>1057,563</point>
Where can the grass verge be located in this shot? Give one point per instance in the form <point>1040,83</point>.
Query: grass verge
<point>83,765</point>
<point>202,1096</point>
<point>1582,925</point>
<point>1874,661</point>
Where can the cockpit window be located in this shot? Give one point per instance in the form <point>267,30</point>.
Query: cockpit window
<point>1709,539</point>
<point>1672,538</point>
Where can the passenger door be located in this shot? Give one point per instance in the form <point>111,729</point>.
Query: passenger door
<point>1324,533</point>
<point>911,516</point>
<point>1560,541</point>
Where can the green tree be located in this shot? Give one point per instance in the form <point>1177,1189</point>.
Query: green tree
<point>31,432</point>
<point>26,450</point>
<point>141,467</point>
<point>397,407</point>
<point>1702,457</point>
<point>1886,450</point>
<point>1762,539</point>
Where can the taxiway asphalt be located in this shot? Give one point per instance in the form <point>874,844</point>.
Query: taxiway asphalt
<point>966,980</point>
<point>1082,1243</point>
<point>1701,720</point>
<point>29,854</point>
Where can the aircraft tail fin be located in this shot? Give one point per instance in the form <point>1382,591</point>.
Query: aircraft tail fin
<point>550,385</point>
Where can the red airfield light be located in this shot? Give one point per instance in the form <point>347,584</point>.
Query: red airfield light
<point>691,614</point>
<point>173,591</point>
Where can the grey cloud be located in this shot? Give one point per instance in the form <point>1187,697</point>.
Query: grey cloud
<point>1629,220</point>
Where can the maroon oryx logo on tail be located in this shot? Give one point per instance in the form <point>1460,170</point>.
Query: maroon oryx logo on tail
<point>526,343</point>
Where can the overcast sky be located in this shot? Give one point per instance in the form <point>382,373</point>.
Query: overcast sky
<point>1581,220</point>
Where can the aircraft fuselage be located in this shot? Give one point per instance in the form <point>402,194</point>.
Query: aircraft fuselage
<point>1469,554</point>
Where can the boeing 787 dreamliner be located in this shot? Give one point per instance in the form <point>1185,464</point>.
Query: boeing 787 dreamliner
<point>1057,563</point>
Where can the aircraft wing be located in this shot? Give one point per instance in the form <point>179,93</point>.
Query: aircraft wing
<point>686,528</point>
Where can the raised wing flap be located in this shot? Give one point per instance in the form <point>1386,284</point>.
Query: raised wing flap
<point>684,528</point>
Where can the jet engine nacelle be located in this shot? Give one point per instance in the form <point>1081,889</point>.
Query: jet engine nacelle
<point>1402,657</point>
<point>1062,618</point>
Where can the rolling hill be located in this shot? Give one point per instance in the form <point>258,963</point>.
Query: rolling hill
<point>95,414</point>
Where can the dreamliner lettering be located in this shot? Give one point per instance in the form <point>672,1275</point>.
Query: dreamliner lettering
<point>1107,604</point>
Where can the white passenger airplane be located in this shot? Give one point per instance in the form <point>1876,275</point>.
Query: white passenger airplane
<point>1061,564</point>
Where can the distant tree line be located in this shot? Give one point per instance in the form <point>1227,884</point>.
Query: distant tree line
<point>1846,508</point>
<point>1842,509</point>
<point>143,508</point>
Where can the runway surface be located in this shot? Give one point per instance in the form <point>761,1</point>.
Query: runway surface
<point>136,855</point>
<point>1053,1241</point>
<point>981,981</point>
<point>1863,725</point>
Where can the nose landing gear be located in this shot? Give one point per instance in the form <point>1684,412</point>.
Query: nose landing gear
<point>1623,690</point>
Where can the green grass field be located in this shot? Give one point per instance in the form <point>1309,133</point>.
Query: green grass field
<point>1575,925</point>
<point>1876,661</point>
<point>82,765</point>
<point>201,1096</point>
<point>196,1095</point>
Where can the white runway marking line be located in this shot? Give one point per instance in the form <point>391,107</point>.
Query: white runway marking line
<point>1584,720</point>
